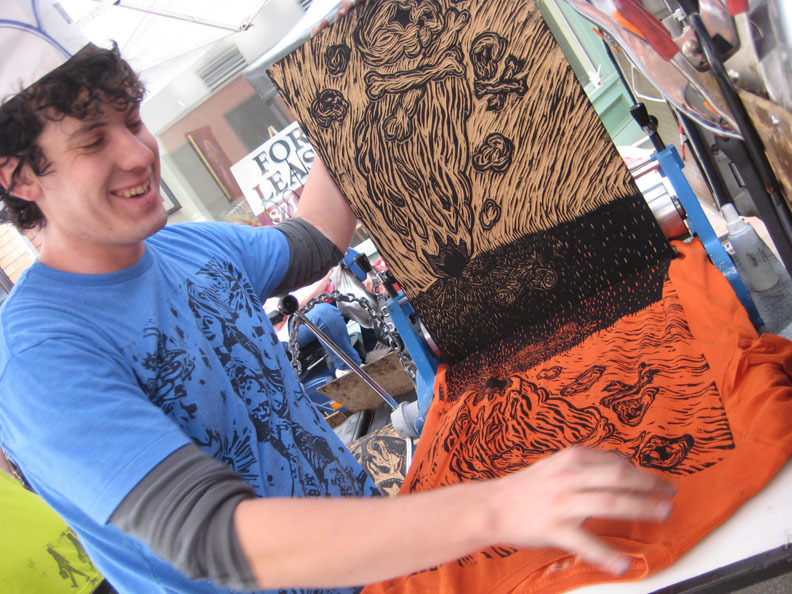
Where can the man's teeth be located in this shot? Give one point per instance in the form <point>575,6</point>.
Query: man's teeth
<point>137,190</point>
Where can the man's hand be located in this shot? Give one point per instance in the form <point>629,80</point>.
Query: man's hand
<point>546,504</point>
<point>343,8</point>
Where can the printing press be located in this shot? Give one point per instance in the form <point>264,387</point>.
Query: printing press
<point>723,70</point>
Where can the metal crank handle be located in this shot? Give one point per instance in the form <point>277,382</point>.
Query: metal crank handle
<point>289,306</point>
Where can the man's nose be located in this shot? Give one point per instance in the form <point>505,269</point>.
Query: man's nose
<point>134,152</point>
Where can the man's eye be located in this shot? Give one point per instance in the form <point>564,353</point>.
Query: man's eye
<point>95,144</point>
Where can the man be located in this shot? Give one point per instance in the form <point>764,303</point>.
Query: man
<point>143,394</point>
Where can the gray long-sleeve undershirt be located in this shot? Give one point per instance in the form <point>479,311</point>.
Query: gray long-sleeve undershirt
<point>183,509</point>
<point>311,255</point>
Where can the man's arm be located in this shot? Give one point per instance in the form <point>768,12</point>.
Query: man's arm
<point>323,205</point>
<point>329,542</point>
<point>305,294</point>
<point>200,516</point>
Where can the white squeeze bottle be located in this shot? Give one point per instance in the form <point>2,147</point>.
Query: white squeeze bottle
<point>748,250</point>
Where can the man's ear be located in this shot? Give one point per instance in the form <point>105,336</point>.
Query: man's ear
<point>24,183</point>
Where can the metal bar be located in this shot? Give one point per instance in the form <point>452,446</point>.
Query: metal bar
<point>345,358</point>
<point>703,153</point>
<point>425,362</point>
<point>175,15</point>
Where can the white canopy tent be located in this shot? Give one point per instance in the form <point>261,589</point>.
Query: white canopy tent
<point>161,38</point>
<point>256,73</point>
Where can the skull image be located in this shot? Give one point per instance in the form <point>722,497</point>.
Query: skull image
<point>398,28</point>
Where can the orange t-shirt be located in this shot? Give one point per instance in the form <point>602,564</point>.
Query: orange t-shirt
<point>684,387</point>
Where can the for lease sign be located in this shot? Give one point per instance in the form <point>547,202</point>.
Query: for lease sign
<point>269,175</point>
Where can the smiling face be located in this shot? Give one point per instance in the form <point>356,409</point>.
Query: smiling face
<point>101,195</point>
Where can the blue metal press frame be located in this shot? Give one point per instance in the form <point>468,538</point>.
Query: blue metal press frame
<point>671,166</point>
<point>426,363</point>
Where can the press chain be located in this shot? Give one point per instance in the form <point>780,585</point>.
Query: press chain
<point>386,331</point>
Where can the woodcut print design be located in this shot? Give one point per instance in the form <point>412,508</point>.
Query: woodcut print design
<point>427,93</point>
<point>494,154</point>
<point>466,132</point>
<point>490,214</point>
<point>485,54</point>
<point>666,415</point>
<point>383,454</point>
<point>329,107</point>
<point>582,383</point>
<point>337,59</point>
<point>544,277</point>
<point>550,373</point>
<point>500,410</point>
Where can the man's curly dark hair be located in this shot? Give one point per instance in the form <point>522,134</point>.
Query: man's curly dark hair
<point>92,77</point>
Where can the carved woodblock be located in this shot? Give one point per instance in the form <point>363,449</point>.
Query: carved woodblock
<point>384,455</point>
<point>460,137</point>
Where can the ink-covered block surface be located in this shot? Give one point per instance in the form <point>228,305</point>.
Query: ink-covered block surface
<point>464,143</point>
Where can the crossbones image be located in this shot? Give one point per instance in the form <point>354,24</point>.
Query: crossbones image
<point>450,64</point>
<point>485,54</point>
<point>411,28</point>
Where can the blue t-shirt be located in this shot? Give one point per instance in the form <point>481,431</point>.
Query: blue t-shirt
<point>103,376</point>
